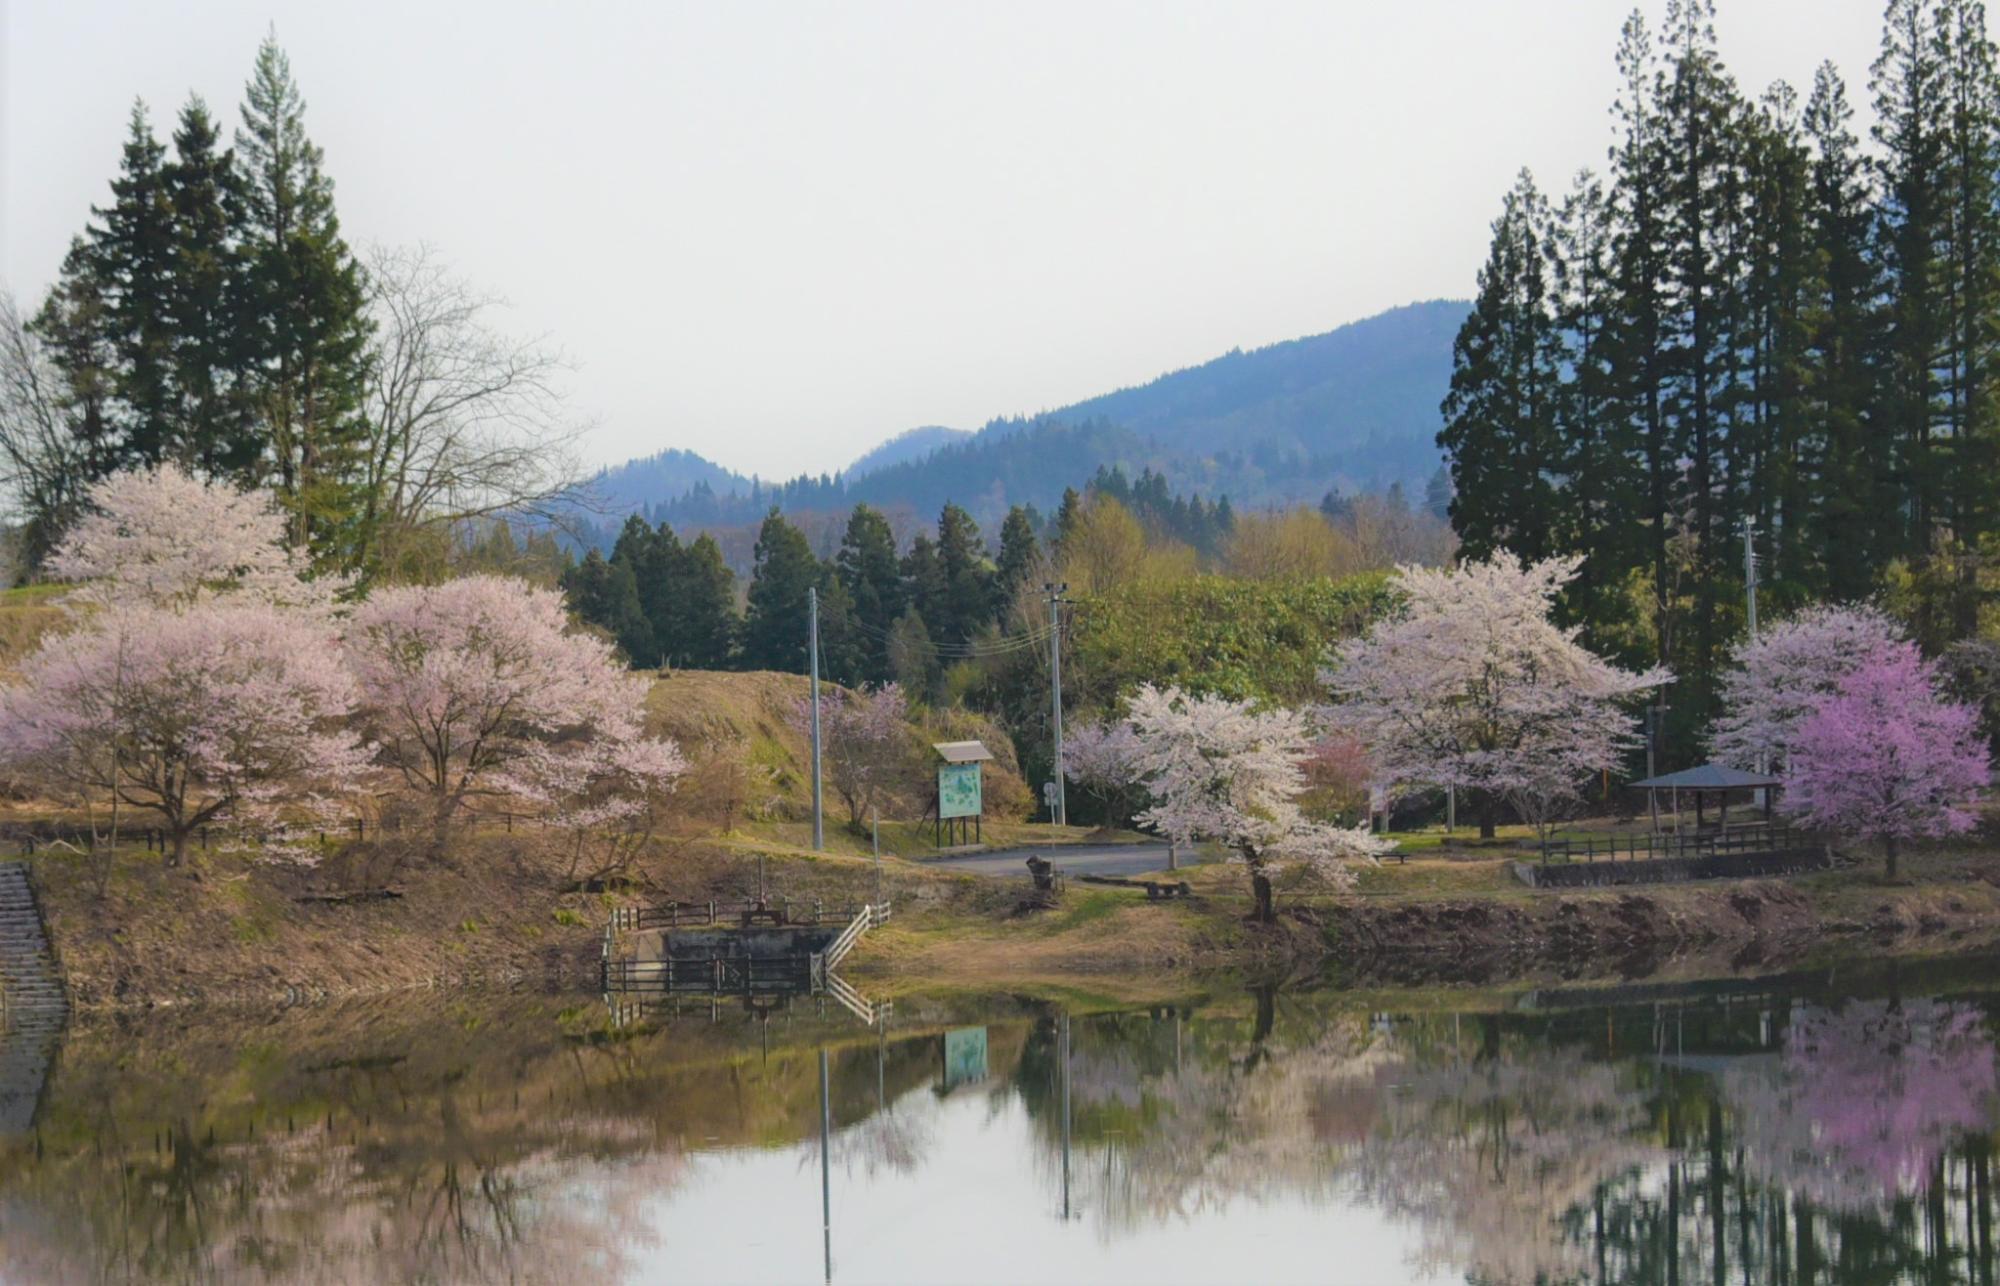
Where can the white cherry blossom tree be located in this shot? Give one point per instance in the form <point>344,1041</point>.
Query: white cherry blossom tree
<point>1224,771</point>
<point>1470,684</point>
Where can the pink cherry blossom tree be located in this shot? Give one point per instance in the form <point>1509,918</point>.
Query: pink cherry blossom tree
<point>1224,771</point>
<point>477,687</point>
<point>1884,757</point>
<point>865,742</point>
<point>1470,684</point>
<point>1776,680</point>
<point>161,538</point>
<point>1102,758</point>
<point>221,712</point>
<point>1866,1098</point>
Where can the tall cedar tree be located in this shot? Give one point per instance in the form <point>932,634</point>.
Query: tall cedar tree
<point>867,569</point>
<point>604,594</point>
<point>1499,429</point>
<point>1850,472</point>
<point>967,606</point>
<point>643,554</point>
<point>1020,554</point>
<point>131,255</point>
<point>213,431</point>
<point>308,297</point>
<point>775,624</point>
<point>705,594</point>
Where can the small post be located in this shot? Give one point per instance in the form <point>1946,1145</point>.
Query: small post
<point>812,641</point>
<point>1055,593</point>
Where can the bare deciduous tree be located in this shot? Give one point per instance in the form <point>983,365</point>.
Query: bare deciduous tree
<point>43,464</point>
<point>465,423</point>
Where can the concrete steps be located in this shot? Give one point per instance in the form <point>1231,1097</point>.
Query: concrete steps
<point>33,1004</point>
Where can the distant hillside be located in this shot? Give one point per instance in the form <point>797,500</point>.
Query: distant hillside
<point>666,476</point>
<point>909,445</point>
<point>1355,409</point>
<point>1355,406</point>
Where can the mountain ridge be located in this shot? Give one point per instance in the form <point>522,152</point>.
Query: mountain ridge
<point>1354,408</point>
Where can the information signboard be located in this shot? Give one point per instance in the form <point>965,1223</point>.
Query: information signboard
<point>958,791</point>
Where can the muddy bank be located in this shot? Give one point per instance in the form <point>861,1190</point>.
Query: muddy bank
<point>1724,927</point>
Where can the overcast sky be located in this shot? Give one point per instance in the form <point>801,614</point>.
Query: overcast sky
<point>778,233</point>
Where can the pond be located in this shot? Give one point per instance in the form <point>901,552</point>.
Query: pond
<point>1831,1127</point>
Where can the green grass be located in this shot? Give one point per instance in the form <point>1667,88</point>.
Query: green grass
<point>32,595</point>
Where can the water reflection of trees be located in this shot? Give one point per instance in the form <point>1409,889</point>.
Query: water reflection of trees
<point>1827,1144</point>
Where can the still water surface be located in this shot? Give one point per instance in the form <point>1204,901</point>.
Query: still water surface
<point>1837,1127</point>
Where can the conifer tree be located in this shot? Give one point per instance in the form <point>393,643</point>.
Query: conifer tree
<point>1020,554</point>
<point>1594,449</point>
<point>775,624</point>
<point>1849,472</point>
<point>307,294</point>
<point>924,583</point>
<point>131,254</point>
<point>1909,93</point>
<point>967,607</point>
<point>705,596</point>
<point>867,569</point>
<point>212,430</point>
<point>1499,430</point>
<point>603,593</point>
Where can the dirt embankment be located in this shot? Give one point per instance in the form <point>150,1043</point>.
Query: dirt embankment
<point>1731,926</point>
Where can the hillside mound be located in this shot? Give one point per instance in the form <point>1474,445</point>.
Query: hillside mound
<point>742,722</point>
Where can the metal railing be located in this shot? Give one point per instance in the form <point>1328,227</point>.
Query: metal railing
<point>1642,847</point>
<point>777,912</point>
<point>864,919</point>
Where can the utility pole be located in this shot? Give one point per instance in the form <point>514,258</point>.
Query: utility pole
<point>1055,593</point>
<point>1750,576</point>
<point>812,644</point>
<point>1758,797</point>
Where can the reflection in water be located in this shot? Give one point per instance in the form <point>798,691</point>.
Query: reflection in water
<point>1795,1136</point>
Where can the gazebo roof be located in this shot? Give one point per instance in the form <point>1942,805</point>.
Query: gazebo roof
<point>1708,777</point>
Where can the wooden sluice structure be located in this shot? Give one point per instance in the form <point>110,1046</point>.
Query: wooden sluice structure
<point>747,949</point>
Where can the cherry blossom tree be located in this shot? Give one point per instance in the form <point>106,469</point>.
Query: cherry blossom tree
<point>476,688</point>
<point>603,797</point>
<point>221,712</point>
<point>864,742</point>
<point>161,538</point>
<point>1102,758</point>
<point>1885,757</point>
<point>1866,1099</point>
<point>1222,770</point>
<point>1776,680</point>
<point>1338,774</point>
<point>1471,685</point>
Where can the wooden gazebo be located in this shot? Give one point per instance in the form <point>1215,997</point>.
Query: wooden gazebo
<point>1701,781</point>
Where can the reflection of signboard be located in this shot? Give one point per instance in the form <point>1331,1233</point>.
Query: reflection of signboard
<point>958,791</point>
<point>964,1056</point>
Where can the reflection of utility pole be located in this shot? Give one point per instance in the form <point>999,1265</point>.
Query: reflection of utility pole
<point>812,640</point>
<point>1056,600</point>
<point>1062,1053</point>
<point>1757,797</point>
<point>825,1165</point>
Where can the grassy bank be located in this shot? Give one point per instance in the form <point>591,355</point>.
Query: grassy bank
<point>232,930</point>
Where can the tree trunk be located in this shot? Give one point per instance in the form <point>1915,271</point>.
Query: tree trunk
<point>1260,884</point>
<point>179,854</point>
<point>1889,855</point>
<point>1488,815</point>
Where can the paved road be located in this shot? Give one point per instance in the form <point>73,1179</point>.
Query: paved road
<point>1072,859</point>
